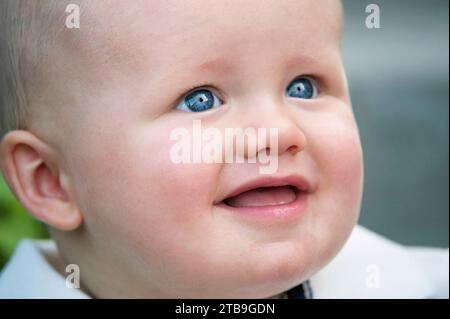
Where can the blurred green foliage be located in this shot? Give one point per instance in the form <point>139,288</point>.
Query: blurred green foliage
<point>15,223</point>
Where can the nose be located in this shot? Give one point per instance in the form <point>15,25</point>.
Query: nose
<point>283,136</point>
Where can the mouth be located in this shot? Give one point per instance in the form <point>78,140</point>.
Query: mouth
<point>264,196</point>
<point>269,198</point>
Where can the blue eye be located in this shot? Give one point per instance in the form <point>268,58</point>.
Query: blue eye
<point>198,101</point>
<point>302,88</point>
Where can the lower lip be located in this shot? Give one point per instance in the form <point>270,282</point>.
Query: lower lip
<point>284,212</point>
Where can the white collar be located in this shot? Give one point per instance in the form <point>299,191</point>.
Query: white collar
<point>368,266</point>
<point>31,273</point>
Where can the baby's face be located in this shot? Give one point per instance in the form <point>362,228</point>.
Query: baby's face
<point>165,229</point>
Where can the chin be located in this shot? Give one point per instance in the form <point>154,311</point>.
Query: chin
<point>277,269</point>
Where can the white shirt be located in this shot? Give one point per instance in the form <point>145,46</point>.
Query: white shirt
<point>368,266</point>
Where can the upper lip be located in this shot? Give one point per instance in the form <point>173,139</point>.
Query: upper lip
<point>297,181</point>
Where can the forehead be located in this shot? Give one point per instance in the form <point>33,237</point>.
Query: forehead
<point>155,33</point>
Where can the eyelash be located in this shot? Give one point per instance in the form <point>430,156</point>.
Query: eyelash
<point>318,81</point>
<point>192,89</point>
<point>312,79</point>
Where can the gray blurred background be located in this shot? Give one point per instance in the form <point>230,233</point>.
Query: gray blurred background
<point>399,82</point>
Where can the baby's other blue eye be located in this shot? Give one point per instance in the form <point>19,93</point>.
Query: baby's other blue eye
<point>302,88</point>
<point>198,101</point>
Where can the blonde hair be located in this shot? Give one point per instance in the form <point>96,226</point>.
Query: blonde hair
<point>26,28</point>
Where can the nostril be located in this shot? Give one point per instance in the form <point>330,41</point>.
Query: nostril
<point>293,149</point>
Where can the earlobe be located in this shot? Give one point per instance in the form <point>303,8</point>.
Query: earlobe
<point>31,169</point>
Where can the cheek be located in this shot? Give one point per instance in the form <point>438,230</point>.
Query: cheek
<point>156,209</point>
<point>169,196</point>
<point>335,146</point>
<point>130,187</point>
<point>340,162</point>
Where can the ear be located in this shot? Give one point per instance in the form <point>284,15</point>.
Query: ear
<point>30,167</point>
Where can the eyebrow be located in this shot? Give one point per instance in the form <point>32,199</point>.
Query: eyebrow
<point>301,60</point>
<point>223,65</point>
<point>217,65</point>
